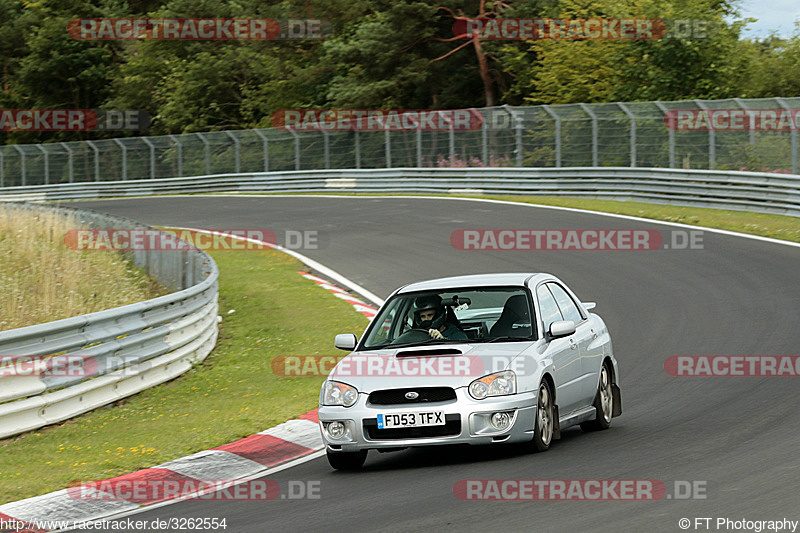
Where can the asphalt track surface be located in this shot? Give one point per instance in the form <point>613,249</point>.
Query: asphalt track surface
<point>739,435</point>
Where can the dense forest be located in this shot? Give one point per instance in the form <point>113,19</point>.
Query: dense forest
<point>381,54</point>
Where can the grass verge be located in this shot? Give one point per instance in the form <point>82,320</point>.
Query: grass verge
<point>41,279</point>
<point>231,395</point>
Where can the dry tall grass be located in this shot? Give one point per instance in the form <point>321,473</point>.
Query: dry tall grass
<point>43,280</point>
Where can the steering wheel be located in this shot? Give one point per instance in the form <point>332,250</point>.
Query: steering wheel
<point>412,335</point>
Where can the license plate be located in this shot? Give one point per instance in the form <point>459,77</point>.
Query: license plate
<point>411,420</point>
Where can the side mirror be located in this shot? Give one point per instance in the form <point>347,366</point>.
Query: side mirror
<point>561,328</point>
<point>346,341</point>
<point>589,305</point>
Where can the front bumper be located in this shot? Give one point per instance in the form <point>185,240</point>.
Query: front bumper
<point>467,422</point>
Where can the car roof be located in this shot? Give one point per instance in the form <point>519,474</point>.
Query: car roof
<point>475,280</point>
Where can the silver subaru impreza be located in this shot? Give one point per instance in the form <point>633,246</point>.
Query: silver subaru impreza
<point>480,359</point>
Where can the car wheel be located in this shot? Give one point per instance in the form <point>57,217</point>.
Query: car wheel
<point>347,460</point>
<point>603,403</point>
<point>544,423</point>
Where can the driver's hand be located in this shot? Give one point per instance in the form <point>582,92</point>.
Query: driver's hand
<point>435,333</point>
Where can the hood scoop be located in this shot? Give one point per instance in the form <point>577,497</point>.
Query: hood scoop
<point>422,352</point>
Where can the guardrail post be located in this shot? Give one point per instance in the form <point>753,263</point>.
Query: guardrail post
<point>588,111</point>
<point>237,154</point>
<point>69,161</point>
<point>671,134</point>
<point>632,117</point>
<point>265,140</point>
<point>712,138</point>
<point>179,153</point>
<point>152,157</point>
<point>296,149</point>
<point>124,158</point>
<point>558,132</point>
<point>22,163</point>
<point>208,152</point>
<point>795,169</point>
<point>96,160</point>
<point>46,164</point>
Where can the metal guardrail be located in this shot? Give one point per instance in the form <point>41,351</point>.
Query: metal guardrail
<point>617,134</point>
<point>131,348</point>
<point>745,191</point>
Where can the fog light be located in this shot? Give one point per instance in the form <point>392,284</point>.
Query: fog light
<point>500,420</point>
<point>336,430</point>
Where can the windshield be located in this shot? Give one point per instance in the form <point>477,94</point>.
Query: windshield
<point>463,315</point>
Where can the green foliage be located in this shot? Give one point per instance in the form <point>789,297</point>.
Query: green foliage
<point>383,54</point>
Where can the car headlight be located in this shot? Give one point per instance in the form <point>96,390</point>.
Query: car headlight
<point>335,393</point>
<point>497,384</point>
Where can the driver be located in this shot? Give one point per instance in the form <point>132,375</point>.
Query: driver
<point>430,314</point>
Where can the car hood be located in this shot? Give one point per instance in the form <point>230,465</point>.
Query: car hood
<point>439,365</point>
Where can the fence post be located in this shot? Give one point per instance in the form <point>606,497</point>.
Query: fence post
<point>632,117</point>
<point>671,134</point>
<point>795,169</point>
<point>22,163</point>
<point>208,152</point>
<point>296,149</point>
<point>266,149</point>
<point>152,157</point>
<point>96,160</point>
<point>388,147</point>
<point>517,132</point>
<point>358,150</point>
<point>237,154</point>
<point>588,111</point>
<point>2,168</point>
<point>484,143</point>
<point>46,164</point>
<point>743,105</point>
<point>712,143</point>
<point>179,153</point>
<point>558,132</point>
<point>69,160</point>
<point>124,159</point>
<point>327,146</point>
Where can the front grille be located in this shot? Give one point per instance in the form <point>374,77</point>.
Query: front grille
<point>398,396</point>
<point>452,427</point>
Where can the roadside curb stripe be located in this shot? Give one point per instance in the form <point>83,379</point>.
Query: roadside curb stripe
<point>362,307</point>
<point>248,457</point>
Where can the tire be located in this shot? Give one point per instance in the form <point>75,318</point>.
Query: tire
<point>347,460</point>
<point>603,403</point>
<point>544,424</point>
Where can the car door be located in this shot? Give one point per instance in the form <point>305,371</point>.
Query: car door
<point>565,355</point>
<point>591,352</point>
